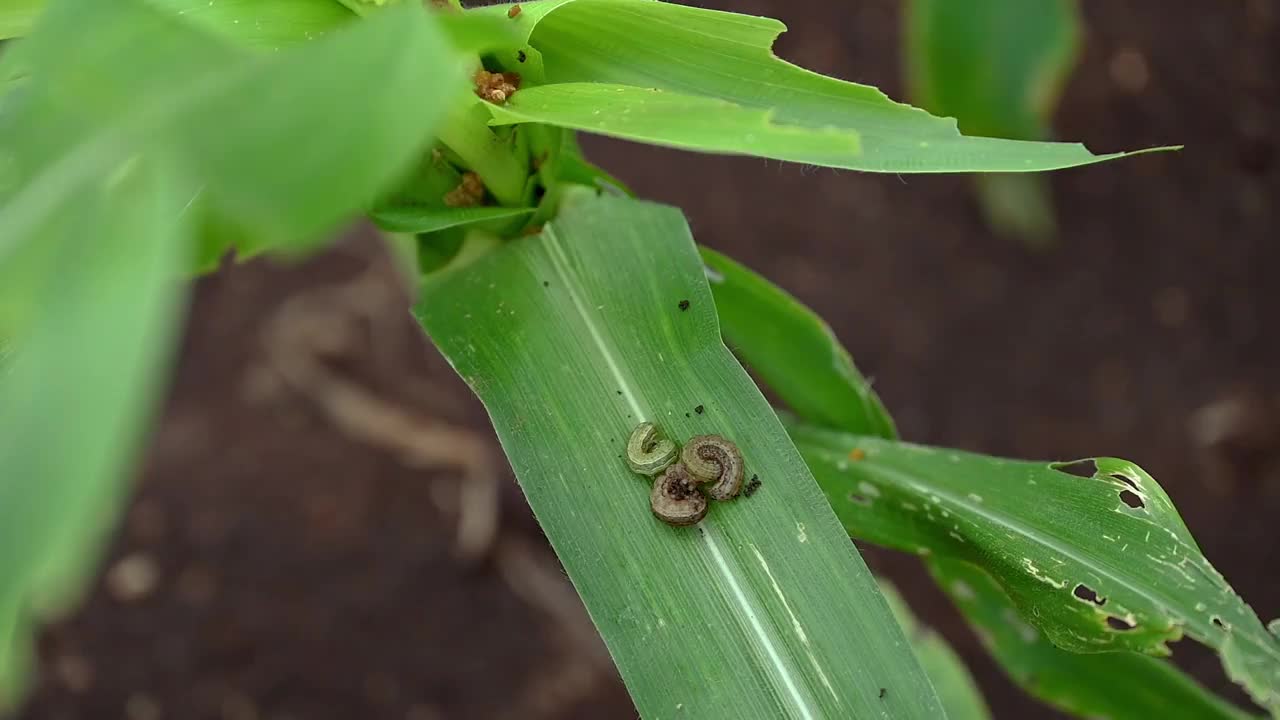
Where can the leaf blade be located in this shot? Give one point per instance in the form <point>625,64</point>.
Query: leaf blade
<point>956,688</point>
<point>422,219</point>
<point>1113,684</point>
<point>694,53</point>
<point>794,349</point>
<point>145,74</point>
<point>94,322</point>
<point>991,512</point>
<point>860,503</point>
<point>709,621</point>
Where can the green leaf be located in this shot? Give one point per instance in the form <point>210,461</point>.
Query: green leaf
<point>1113,684</point>
<point>998,67</point>
<point>267,23</point>
<point>1100,562</point>
<point>113,157</point>
<point>959,694</point>
<point>350,109</point>
<point>1018,206</point>
<point>686,77</point>
<point>573,337</point>
<point>689,122</point>
<point>421,219</point>
<point>92,315</point>
<point>274,24</point>
<point>793,350</point>
<point>725,277</point>
<point>16,17</point>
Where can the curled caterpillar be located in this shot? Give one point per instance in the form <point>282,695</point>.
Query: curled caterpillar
<point>648,453</point>
<point>713,459</point>
<point>675,498</point>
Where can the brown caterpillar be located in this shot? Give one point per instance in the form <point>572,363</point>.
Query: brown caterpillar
<point>675,498</point>
<point>709,461</point>
<point>713,459</point>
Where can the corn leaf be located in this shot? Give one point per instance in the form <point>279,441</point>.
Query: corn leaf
<point>998,67</point>
<point>701,79</point>
<point>90,324</point>
<point>763,610</point>
<point>959,694</point>
<point>789,344</point>
<point>1088,568</point>
<point>111,159</point>
<point>1113,685</point>
<point>1100,562</point>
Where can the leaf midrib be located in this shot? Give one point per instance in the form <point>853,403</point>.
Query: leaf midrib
<point>708,537</point>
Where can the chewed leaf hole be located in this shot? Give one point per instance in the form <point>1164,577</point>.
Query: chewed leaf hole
<point>1132,499</point>
<point>858,499</point>
<point>1080,468</point>
<point>1086,593</point>
<point>1126,480</point>
<point>1120,624</point>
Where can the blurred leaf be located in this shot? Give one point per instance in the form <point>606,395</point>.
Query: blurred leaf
<point>15,659</point>
<point>97,299</point>
<point>1018,206</point>
<point>110,156</point>
<point>998,67</point>
<point>1099,562</point>
<point>701,79</point>
<point>959,694</point>
<point>573,337</point>
<point>274,24</point>
<point>793,350</point>
<point>1113,685</point>
<point>361,101</point>
<point>418,219</point>
<point>16,16</point>
<point>269,23</point>
<point>261,23</point>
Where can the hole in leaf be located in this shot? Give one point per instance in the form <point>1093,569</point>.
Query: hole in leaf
<point>1125,479</point>
<point>857,499</point>
<point>1119,624</point>
<point>1080,468</point>
<point>1131,498</point>
<point>1084,592</point>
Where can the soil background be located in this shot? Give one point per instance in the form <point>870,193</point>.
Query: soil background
<point>280,560</point>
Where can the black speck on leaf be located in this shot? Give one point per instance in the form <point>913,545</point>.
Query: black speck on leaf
<point>752,486</point>
<point>883,692</point>
<point>684,305</point>
<point>687,415</point>
<point>546,283</point>
<point>520,56</point>
<point>699,409</point>
<point>619,392</point>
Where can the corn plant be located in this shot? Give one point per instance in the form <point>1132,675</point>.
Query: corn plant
<point>706,531</point>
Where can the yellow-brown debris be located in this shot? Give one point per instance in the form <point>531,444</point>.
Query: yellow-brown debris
<point>496,87</point>
<point>469,193</point>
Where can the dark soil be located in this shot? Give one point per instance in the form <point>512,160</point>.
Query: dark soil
<point>278,563</point>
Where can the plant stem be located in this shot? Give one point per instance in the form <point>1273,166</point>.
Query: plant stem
<point>504,172</point>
